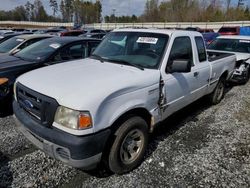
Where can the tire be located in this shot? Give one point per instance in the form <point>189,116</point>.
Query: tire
<point>129,146</point>
<point>246,76</point>
<point>218,94</point>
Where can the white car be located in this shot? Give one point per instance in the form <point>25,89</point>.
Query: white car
<point>104,107</point>
<point>240,46</point>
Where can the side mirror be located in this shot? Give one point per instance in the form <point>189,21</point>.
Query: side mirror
<point>180,65</point>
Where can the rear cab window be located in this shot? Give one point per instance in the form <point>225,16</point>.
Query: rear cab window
<point>202,54</point>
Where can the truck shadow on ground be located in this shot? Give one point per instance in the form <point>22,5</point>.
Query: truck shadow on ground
<point>179,119</point>
<point>5,110</point>
<point>6,176</point>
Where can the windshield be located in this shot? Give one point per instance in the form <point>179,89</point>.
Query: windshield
<point>133,48</point>
<point>231,45</point>
<point>38,51</point>
<point>9,44</point>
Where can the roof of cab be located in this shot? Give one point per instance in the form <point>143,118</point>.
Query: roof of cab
<point>160,31</point>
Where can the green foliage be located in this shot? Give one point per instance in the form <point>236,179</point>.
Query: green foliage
<point>193,10</point>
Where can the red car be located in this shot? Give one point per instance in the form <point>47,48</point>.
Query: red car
<point>229,30</point>
<point>71,33</point>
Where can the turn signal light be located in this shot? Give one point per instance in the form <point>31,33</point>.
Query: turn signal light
<point>84,121</point>
<point>3,80</point>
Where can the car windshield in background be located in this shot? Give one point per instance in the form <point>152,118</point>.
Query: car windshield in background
<point>38,51</point>
<point>140,49</point>
<point>231,45</point>
<point>9,44</point>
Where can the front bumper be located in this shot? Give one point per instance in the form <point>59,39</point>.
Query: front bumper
<point>77,151</point>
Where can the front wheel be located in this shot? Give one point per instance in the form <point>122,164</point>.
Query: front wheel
<point>129,146</point>
<point>218,94</point>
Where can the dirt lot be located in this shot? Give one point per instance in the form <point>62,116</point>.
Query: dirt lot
<point>201,146</point>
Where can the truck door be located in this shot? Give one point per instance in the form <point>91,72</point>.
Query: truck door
<point>201,70</point>
<point>179,87</point>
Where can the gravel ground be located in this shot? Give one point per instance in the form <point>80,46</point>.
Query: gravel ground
<point>201,146</point>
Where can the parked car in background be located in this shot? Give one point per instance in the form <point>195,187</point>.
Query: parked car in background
<point>103,108</point>
<point>206,30</point>
<point>41,31</point>
<point>225,30</point>
<point>19,30</point>
<point>17,43</point>
<point>88,31</point>
<point>210,37</point>
<point>245,30</point>
<point>73,33</point>
<point>8,36</point>
<point>93,35</point>
<point>46,52</point>
<point>240,46</point>
<point>55,32</point>
<point>5,32</point>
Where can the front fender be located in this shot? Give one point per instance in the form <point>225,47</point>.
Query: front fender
<point>111,109</point>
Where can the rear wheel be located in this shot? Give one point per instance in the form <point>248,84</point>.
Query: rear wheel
<point>129,146</point>
<point>218,94</point>
<point>246,76</point>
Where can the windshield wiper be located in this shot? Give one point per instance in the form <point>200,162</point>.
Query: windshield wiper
<point>100,58</point>
<point>126,63</point>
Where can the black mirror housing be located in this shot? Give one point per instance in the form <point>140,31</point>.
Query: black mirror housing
<point>181,66</point>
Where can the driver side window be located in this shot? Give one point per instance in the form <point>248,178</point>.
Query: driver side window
<point>76,51</point>
<point>181,50</point>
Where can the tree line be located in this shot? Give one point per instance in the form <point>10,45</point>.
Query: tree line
<point>66,11</point>
<point>84,12</point>
<point>194,11</point>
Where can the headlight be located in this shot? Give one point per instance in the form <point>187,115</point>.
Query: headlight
<point>73,119</point>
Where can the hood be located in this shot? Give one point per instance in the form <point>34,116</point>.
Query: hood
<point>79,84</point>
<point>8,61</point>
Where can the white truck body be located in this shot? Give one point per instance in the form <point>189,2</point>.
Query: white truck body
<point>109,90</point>
<point>242,58</point>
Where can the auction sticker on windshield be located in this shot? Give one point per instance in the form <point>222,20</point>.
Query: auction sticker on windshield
<point>20,40</point>
<point>148,40</point>
<point>244,41</point>
<point>55,45</point>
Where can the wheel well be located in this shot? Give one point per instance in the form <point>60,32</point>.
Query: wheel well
<point>224,75</point>
<point>142,112</point>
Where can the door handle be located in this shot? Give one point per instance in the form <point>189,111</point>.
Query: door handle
<point>196,74</point>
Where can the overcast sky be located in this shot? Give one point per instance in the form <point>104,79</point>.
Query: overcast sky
<point>122,7</point>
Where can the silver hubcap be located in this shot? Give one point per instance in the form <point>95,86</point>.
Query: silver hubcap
<point>131,146</point>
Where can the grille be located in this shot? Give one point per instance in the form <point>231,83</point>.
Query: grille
<point>41,108</point>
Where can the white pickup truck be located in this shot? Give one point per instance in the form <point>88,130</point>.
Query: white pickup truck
<point>104,107</point>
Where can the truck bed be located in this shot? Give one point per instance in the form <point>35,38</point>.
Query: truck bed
<point>213,56</point>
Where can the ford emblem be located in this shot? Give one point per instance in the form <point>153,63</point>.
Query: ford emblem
<point>28,104</point>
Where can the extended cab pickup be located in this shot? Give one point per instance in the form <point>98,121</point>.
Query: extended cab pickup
<point>104,107</point>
